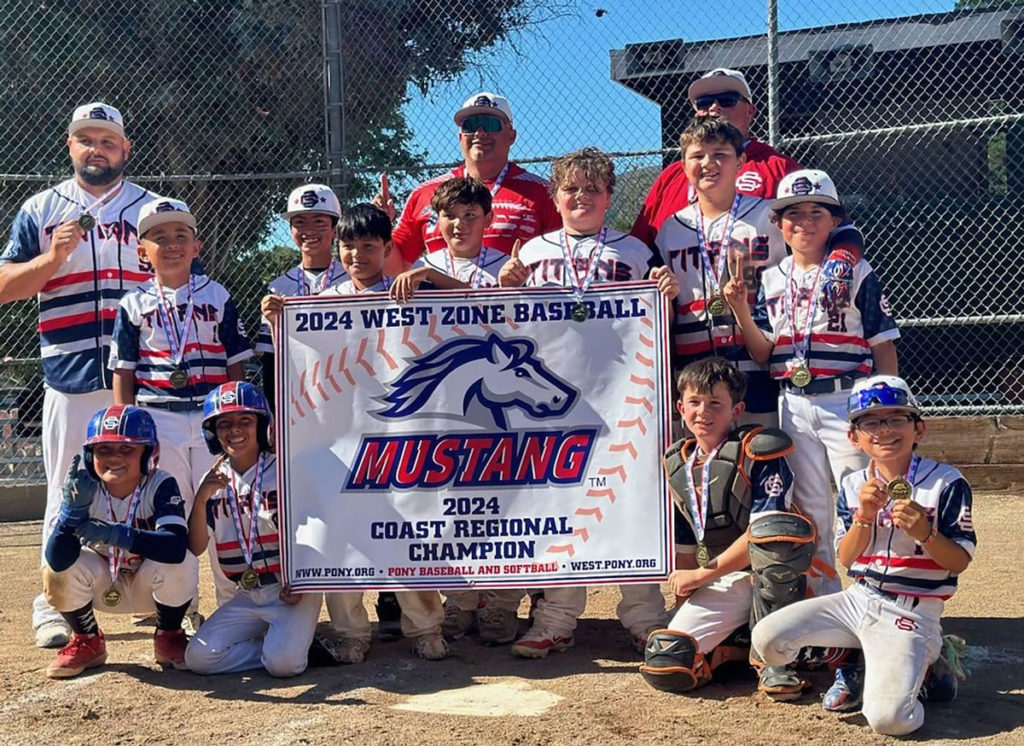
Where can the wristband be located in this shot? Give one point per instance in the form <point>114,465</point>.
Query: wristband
<point>931,537</point>
<point>858,520</point>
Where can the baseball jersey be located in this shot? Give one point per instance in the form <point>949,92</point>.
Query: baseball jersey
<point>78,304</point>
<point>266,555</point>
<point>841,338</point>
<point>622,258</point>
<point>488,263</point>
<point>893,562</point>
<point>297,282</point>
<point>670,193</point>
<point>522,209</point>
<point>347,287</point>
<point>216,339</point>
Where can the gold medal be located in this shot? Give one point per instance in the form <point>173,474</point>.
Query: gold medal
<point>179,378</point>
<point>717,305</point>
<point>801,376</point>
<point>112,596</point>
<point>86,222</point>
<point>899,489</point>
<point>249,579</point>
<point>703,555</point>
<point>579,312</point>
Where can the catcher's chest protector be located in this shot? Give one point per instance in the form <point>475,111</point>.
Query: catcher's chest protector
<point>728,507</point>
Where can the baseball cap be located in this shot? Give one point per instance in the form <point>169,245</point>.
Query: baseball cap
<point>484,102</point>
<point>881,392</point>
<point>164,210</point>
<point>97,114</point>
<point>312,198</point>
<point>805,185</point>
<point>717,81</point>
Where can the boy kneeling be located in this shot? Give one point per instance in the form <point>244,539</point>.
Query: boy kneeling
<point>742,553</point>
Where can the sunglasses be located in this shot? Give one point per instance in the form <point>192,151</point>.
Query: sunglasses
<point>485,122</point>
<point>725,100</point>
<point>877,397</point>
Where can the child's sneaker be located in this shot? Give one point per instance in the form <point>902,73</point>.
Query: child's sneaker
<point>538,642</point>
<point>847,691</point>
<point>53,634</point>
<point>943,677</point>
<point>191,623</point>
<point>457,622</point>
<point>169,648</point>
<point>431,647</point>
<point>389,617</point>
<point>497,626</point>
<point>351,650</point>
<point>82,652</point>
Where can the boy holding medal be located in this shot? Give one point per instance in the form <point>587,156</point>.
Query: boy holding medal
<point>119,543</point>
<point>263,624</point>
<point>905,545</point>
<point>582,253</point>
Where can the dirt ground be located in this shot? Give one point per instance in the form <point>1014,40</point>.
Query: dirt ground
<point>590,694</point>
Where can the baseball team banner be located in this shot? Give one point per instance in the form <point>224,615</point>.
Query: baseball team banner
<point>483,439</point>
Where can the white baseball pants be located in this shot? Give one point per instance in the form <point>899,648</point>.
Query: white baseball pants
<point>715,611</point>
<point>422,613</point>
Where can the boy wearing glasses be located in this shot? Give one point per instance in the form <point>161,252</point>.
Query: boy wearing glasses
<point>521,203</point>
<point>908,536</point>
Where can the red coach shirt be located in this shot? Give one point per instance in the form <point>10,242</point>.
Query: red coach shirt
<point>522,208</point>
<point>759,177</point>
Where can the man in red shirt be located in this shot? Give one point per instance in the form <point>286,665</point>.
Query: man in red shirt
<point>522,203</point>
<point>726,93</point>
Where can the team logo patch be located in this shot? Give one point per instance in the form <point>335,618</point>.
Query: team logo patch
<point>98,113</point>
<point>803,186</point>
<point>166,207</point>
<point>483,101</point>
<point>111,423</point>
<point>748,183</point>
<point>774,486</point>
<point>228,397</point>
<point>309,200</point>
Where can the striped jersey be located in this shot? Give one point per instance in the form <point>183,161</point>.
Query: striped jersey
<point>160,505</point>
<point>488,263</point>
<point>761,244</point>
<point>893,562</point>
<point>216,339</point>
<point>841,338</point>
<point>78,304</point>
<point>266,555</point>
<point>298,282</point>
<point>622,258</point>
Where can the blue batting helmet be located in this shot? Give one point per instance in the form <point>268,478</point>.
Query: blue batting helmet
<point>122,423</point>
<point>236,396</point>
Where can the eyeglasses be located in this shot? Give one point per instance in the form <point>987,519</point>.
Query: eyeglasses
<point>725,100</point>
<point>874,425</point>
<point>485,122</point>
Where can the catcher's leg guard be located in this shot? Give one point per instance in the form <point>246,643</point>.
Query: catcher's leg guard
<point>673,662</point>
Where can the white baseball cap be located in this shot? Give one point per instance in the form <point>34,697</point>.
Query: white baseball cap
<point>719,80</point>
<point>164,210</point>
<point>312,198</point>
<point>484,102</point>
<point>805,185</point>
<point>881,392</point>
<point>97,114</point>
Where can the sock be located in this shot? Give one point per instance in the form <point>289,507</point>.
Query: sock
<point>169,617</point>
<point>82,621</point>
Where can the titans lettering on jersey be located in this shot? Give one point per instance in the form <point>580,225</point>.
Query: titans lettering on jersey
<point>78,304</point>
<point>160,506</point>
<point>841,338</point>
<point>465,269</point>
<point>266,553</point>
<point>753,235</point>
<point>215,341</point>
<point>893,561</point>
<point>623,258</point>
<point>289,284</point>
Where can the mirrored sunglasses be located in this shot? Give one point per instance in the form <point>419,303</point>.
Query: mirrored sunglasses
<point>725,100</point>
<point>485,122</point>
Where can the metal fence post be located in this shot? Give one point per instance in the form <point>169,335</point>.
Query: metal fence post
<point>334,107</point>
<point>773,73</point>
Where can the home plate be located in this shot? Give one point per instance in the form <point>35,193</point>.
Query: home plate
<point>484,700</point>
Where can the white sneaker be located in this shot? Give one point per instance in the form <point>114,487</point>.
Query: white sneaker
<point>431,647</point>
<point>538,642</point>
<point>54,634</point>
<point>192,622</point>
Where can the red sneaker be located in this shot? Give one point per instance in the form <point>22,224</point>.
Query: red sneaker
<point>82,652</point>
<point>169,648</point>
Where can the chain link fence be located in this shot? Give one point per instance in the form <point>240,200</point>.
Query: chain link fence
<point>914,108</point>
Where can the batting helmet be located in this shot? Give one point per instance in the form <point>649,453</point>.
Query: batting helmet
<point>881,392</point>
<point>122,423</point>
<point>236,396</point>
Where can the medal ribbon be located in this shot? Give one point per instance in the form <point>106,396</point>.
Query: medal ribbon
<point>176,338</point>
<point>255,503</point>
<point>322,282</point>
<point>501,178</point>
<point>800,348</point>
<point>699,505</point>
<point>723,255</point>
<point>569,257</point>
<point>115,555</point>
<point>449,263</point>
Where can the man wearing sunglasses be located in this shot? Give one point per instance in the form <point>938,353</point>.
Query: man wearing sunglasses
<point>522,203</point>
<point>723,92</point>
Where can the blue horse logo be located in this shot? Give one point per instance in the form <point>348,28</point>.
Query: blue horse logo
<point>495,374</point>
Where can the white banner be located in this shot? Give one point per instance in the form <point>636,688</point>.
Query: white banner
<point>479,439</point>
